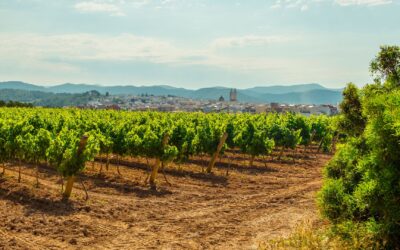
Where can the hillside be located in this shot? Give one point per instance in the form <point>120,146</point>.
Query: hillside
<point>295,94</point>
<point>47,99</point>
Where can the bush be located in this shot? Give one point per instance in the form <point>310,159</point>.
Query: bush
<point>362,181</point>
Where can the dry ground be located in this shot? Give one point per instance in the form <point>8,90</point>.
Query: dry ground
<point>198,211</point>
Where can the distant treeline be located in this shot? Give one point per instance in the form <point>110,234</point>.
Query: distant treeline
<point>47,99</point>
<point>11,104</point>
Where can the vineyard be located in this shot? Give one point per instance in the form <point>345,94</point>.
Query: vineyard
<point>236,168</point>
<point>67,139</point>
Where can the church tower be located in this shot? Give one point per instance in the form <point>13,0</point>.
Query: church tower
<point>233,95</point>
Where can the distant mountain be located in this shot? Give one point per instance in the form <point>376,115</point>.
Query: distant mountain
<point>319,96</point>
<point>279,89</point>
<point>71,88</point>
<point>21,86</point>
<point>296,94</point>
<point>115,90</point>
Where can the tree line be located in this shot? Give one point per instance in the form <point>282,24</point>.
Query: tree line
<point>11,104</point>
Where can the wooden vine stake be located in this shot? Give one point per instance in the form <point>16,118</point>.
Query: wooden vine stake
<point>71,179</point>
<point>252,157</point>
<point>19,170</point>
<point>119,172</point>
<point>156,167</point>
<point>37,174</point>
<point>215,155</point>
<point>68,187</point>
<point>334,141</point>
<point>320,144</point>
<point>107,161</point>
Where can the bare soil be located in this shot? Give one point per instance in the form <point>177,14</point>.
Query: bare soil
<point>236,207</point>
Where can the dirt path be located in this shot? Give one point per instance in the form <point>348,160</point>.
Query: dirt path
<point>197,212</point>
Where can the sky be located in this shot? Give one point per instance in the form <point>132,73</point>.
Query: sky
<point>194,43</point>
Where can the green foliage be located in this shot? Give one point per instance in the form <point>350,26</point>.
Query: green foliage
<point>362,181</point>
<point>53,135</point>
<point>11,104</point>
<point>352,122</point>
<point>254,141</point>
<point>182,137</point>
<point>386,65</point>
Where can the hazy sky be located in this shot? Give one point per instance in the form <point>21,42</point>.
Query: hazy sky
<point>194,43</point>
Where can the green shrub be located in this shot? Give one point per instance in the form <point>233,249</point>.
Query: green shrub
<point>362,181</point>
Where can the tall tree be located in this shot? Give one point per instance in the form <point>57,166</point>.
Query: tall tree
<point>386,65</point>
<point>352,122</point>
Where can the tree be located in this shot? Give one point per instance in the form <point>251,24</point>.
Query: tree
<point>352,122</point>
<point>386,65</point>
<point>361,181</point>
<point>361,189</point>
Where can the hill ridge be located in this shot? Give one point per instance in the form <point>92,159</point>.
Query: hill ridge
<point>312,93</point>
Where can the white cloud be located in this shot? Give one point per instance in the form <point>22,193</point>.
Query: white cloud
<point>304,8</point>
<point>304,5</point>
<point>88,47</point>
<point>69,57</point>
<point>140,3</point>
<point>94,6</point>
<point>64,52</point>
<point>363,2</point>
<point>121,7</point>
<point>300,4</point>
<point>250,40</point>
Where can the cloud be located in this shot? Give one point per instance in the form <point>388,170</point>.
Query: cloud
<point>363,2</point>
<point>128,57</point>
<point>115,7</point>
<point>82,46</point>
<point>244,41</point>
<point>99,7</point>
<point>304,5</point>
<point>67,51</point>
<point>304,8</point>
<point>121,7</point>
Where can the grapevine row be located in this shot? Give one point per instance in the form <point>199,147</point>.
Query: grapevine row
<point>68,138</point>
